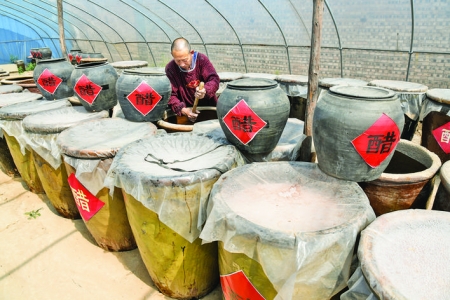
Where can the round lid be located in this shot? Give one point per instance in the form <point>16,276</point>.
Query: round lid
<point>91,64</point>
<point>129,64</point>
<point>299,79</point>
<point>229,76</point>
<point>405,255</point>
<point>366,92</point>
<point>329,82</point>
<point>154,69</point>
<point>50,60</point>
<point>57,120</point>
<point>10,88</point>
<point>287,198</point>
<point>400,86</point>
<point>439,95</point>
<point>7,99</point>
<point>146,72</point>
<point>19,111</point>
<point>252,84</point>
<point>259,75</point>
<point>102,138</point>
<point>177,158</point>
<point>444,174</point>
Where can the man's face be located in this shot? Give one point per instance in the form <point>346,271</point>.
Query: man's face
<point>182,58</point>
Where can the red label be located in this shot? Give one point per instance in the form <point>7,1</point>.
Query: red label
<point>70,55</point>
<point>243,122</point>
<point>86,89</point>
<point>442,136</point>
<point>238,286</point>
<point>88,205</point>
<point>144,98</point>
<point>377,142</point>
<point>49,81</point>
<point>78,58</point>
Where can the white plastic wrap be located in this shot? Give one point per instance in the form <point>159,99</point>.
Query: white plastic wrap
<point>411,104</point>
<point>297,222</point>
<point>429,105</point>
<point>43,129</point>
<point>172,175</point>
<point>90,146</point>
<point>404,255</point>
<point>287,149</point>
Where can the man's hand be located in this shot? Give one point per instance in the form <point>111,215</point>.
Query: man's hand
<point>200,94</point>
<point>187,111</point>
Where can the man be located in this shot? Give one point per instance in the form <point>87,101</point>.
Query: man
<point>185,72</point>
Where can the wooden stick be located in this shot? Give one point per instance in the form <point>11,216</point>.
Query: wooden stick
<point>200,87</point>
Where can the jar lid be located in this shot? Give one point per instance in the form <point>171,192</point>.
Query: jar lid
<point>8,99</point>
<point>51,60</point>
<point>299,79</point>
<point>329,82</point>
<point>400,86</point>
<point>19,111</point>
<point>129,64</point>
<point>252,84</point>
<point>102,138</point>
<point>366,92</point>
<point>57,120</point>
<point>259,75</point>
<point>147,72</point>
<point>439,95</point>
<point>10,88</point>
<point>405,254</point>
<point>444,174</point>
<point>229,76</point>
<point>91,64</point>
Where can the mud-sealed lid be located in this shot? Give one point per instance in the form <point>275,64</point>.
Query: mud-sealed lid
<point>400,86</point>
<point>252,84</point>
<point>259,75</point>
<point>146,72</point>
<point>57,120</point>
<point>172,174</point>
<point>10,88</point>
<point>102,138</point>
<point>439,95</point>
<point>19,111</point>
<point>365,92</point>
<point>229,76</point>
<point>153,69</point>
<point>278,212</point>
<point>405,255</point>
<point>128,64</point>
<point>8,99</point>
<point>296,79</point>
<point>329,82</point>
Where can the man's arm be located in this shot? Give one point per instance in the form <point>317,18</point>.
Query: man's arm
<point>210,76</point>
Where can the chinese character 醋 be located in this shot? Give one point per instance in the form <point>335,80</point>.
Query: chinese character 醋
<point>80,199</point>
<point>445,136</point>
<point>380,143</point>
<point>87,90</point>
<point>144,99</point>
<point>244,124</point>
<point>49,81</point>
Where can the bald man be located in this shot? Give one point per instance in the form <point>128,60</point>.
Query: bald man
<point>185,71</point>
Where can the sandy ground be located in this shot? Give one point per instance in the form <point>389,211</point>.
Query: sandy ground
<point>50,257</point>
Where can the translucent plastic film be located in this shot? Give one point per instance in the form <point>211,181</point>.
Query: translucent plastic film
<point>287,149</point>
<point>14,128</point>
<point>172,175</point>
<point>429,105</point>
<point>411,104</point>
<point>297,222</point>
<point>43,129</point>
<point>102,138</point>
<point>405,255</point>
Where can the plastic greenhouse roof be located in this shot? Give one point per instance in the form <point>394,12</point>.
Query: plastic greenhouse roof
<point>244,36</point>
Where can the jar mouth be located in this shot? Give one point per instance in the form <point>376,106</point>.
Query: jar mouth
<point>51,60</point>
<point>91,65</point>
<point>143,72</point>
<point>364,92</point>
<point>252,84</point>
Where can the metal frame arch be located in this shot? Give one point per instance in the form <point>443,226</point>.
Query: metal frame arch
<point>338,36</point>
<point>20,21</point>
<point>301,19</point>
<point>412,39</point>
<point>237,36</point>
<point>97,31</point>
<point>282,34</point>
<point>143,38</point>
<point>193,27</point>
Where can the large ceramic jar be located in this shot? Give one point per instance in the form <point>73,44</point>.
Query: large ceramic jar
<point>52,76</point>
<point>44,53</point>
<point>80,55</point>
<point>252,113</point>
<point>356,130</point>
<point>143,95</point>
<point>95,85</point>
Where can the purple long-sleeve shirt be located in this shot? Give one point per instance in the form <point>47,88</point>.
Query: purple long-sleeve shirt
<point>183,95</point>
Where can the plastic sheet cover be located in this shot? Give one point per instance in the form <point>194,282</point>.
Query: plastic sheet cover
<point>297,222</point>
<point>403,255</point>
<point>172,175</point>
<point>429,105</point>
<point>43,129</point>
<point>411,104</point>
<point>287,149</point>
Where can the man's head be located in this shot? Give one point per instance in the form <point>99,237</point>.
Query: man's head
<point>181,53</point>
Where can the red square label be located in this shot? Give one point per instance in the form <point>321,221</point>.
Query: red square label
<point>378,141</point>
<point>48,81</point>
<point>144,98</point>
<point>442,136</point>
<point>88,205</point>
<point>238,286</point>
<point>86,89</point>
<point>243,122</point>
